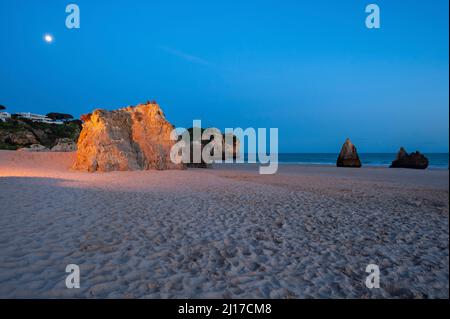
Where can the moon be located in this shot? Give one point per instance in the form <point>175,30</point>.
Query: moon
<point>48,38</point>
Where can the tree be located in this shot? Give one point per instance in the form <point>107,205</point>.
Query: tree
<point>76,122</point>
<point>59,116</point>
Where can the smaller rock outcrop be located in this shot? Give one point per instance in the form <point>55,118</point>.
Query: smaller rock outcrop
<point>230,148</point>
<point>348,157</point>
<point>34,148</point>
<point>414,160</point>
<point>18,138</point>
<point>64,145</point>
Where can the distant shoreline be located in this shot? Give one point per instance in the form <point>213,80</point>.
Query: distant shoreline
<point>433,167</point>
<point>437,160</point>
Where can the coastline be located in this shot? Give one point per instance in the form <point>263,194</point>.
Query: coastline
<point>437,160</point>
<point>314,164</point>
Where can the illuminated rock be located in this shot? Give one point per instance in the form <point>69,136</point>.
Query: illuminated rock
<point>131,138</point>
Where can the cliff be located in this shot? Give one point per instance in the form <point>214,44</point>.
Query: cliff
<point>19,133</point>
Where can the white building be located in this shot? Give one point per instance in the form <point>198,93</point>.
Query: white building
<point>4,116</point>
<point>38,118</point>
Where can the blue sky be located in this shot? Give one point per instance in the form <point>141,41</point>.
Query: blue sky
<point>310,68</point>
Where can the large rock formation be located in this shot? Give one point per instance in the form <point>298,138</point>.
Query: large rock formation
<point>413,160</point>
<point>348,156</point>
<point>131,138</point>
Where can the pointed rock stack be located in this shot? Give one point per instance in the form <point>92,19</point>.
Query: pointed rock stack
<point>414,160</point>
<point>131,138</point>
<point>348,156</point>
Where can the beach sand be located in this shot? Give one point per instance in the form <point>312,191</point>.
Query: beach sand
<point>306,232</point>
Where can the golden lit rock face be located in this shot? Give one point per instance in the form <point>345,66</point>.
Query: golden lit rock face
<point>131,138</point>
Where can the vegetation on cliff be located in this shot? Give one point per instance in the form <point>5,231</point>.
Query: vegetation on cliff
<point>19,132</point>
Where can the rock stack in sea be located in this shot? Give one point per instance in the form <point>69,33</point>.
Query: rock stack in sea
<point>348,157</point>
<point>130,138</point>
<point>414,160</point>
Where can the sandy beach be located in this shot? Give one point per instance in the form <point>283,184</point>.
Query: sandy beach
<point>225,232</point>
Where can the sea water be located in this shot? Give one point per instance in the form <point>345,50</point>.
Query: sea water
<point>436,160</point>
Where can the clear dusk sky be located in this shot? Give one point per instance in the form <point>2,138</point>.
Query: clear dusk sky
<point>310,68</point>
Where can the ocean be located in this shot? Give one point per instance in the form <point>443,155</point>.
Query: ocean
<point>437,160</point>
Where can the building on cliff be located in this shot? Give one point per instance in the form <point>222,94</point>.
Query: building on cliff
<point>4,116</point>
<point>38,118</point>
